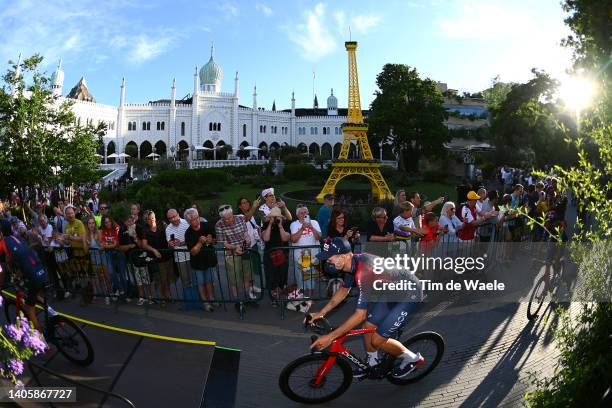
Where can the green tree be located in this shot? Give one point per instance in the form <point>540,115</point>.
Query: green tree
<point>42,143</point>
<point>408,112</point>
<point>496,94</point>
<point>582,376</point>
<point>528,123</point>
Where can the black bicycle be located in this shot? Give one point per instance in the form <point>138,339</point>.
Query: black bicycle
<point>58,330</point>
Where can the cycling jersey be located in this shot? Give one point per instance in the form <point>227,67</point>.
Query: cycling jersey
<point>389,317</point>
<point>17,250</point>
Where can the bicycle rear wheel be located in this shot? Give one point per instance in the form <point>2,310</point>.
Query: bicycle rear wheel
<point>539,293</point>
<point>10,310</point>
<point>297,380</point>
<point>431,347</point>
<point>70,340</point>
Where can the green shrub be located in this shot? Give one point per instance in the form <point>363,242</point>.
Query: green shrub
<point>298,171</point>
<point>435,176</point>
<point>295,158</point>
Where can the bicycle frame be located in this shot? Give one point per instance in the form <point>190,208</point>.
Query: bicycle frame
<point>337,349</point>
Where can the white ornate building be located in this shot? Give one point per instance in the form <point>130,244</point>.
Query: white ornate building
<point>196,126</point>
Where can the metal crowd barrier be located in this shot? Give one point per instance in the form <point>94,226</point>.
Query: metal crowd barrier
<point>133,275</point>
<point>291,276</point>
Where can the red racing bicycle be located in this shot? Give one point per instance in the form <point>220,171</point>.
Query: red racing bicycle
<point>325,375</point>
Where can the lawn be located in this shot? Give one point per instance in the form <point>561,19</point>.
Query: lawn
<point>233,193</point>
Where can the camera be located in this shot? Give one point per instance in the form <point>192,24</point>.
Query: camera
<point>171,237</point>
<point>277,221</point>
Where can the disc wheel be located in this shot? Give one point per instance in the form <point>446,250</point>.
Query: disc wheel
<point>70,340</point>
<point>297,380</point>
<point>431,347</point>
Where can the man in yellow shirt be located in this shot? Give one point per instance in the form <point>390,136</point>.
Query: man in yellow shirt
<point>74,235</point>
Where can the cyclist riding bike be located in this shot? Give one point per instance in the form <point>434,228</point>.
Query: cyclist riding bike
<point>387,317</point>
<point>18,252</point>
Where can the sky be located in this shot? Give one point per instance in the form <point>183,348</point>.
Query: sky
<point>277,45</point>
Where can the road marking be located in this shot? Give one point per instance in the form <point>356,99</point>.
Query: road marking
<point>133,332</point>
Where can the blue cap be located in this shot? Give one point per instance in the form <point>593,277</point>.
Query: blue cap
<point>335,246</point>
<point>14,218</point>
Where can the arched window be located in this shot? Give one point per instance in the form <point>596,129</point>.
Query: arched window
<point>182,128</point>
<point>134,125</point>
<point>264,128</point>
<point>144,125</point>
<point>148,125</point>
<point>219,127</point>
<point>158,126</point>
<point>324,131</point>
<point>244,130</point>
<point>210,126</point>
<point>129,126</point>
<point>163,125</point>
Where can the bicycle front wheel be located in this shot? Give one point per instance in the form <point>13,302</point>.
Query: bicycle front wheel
<point>70,340</point>
<point>431,347</point>
<point>300,380</point>
<point>536,300</point>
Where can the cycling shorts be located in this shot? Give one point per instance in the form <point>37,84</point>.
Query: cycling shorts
<point>390,317</point>
<point>34,286</point>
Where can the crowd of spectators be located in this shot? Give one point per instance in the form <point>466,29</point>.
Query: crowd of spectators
<point>145,255</point>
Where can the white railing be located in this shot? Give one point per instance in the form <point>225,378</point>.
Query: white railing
<point>207,164</point>
<point>118,170</point>
<point>391,163</point>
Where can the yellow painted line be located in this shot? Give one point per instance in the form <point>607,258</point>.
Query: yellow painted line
<point>133,332</point>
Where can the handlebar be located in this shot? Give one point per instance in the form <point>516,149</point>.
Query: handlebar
<point>319,326</point>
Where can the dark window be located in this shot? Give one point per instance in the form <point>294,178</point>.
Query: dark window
<point>243,130</point>
<point>210,126</point>
<point>182,128</point>
<point>219,127</point>
<point>158,126</point>
<point>148,125</point>
<point>163,125</point>
<point>144,125</point>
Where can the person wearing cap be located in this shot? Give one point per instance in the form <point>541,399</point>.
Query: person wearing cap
<point>387,317</point>
<point>324,213</point>
<point>270,202</point>
<point>18,227</point>
<point>233,236</point>
<point>469,217</point>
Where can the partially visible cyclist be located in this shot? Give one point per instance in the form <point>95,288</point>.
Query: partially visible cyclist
<point>387,317</point>
<point>18,252</point>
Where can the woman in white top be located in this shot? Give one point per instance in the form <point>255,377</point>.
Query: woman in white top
<point>450,222</point>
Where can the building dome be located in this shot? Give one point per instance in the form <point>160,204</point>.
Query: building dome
<point>211,74</point>
<point>57,78</point>
<point>332,101</point>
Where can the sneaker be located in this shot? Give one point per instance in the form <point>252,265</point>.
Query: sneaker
<point>66,295</point>
<point>128,300</point>
<point>406,367</point>
<point>208,307</point>
<point>107,300</point>
<point>359,372</point>
<point>140,302</point>
<point>152,302</point>
<point>253,294</point>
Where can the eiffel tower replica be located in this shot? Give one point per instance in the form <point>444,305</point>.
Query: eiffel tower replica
<point>356,130</point>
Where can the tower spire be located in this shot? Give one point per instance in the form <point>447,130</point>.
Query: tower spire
<point>355,130</point>
<point>354,102</point>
